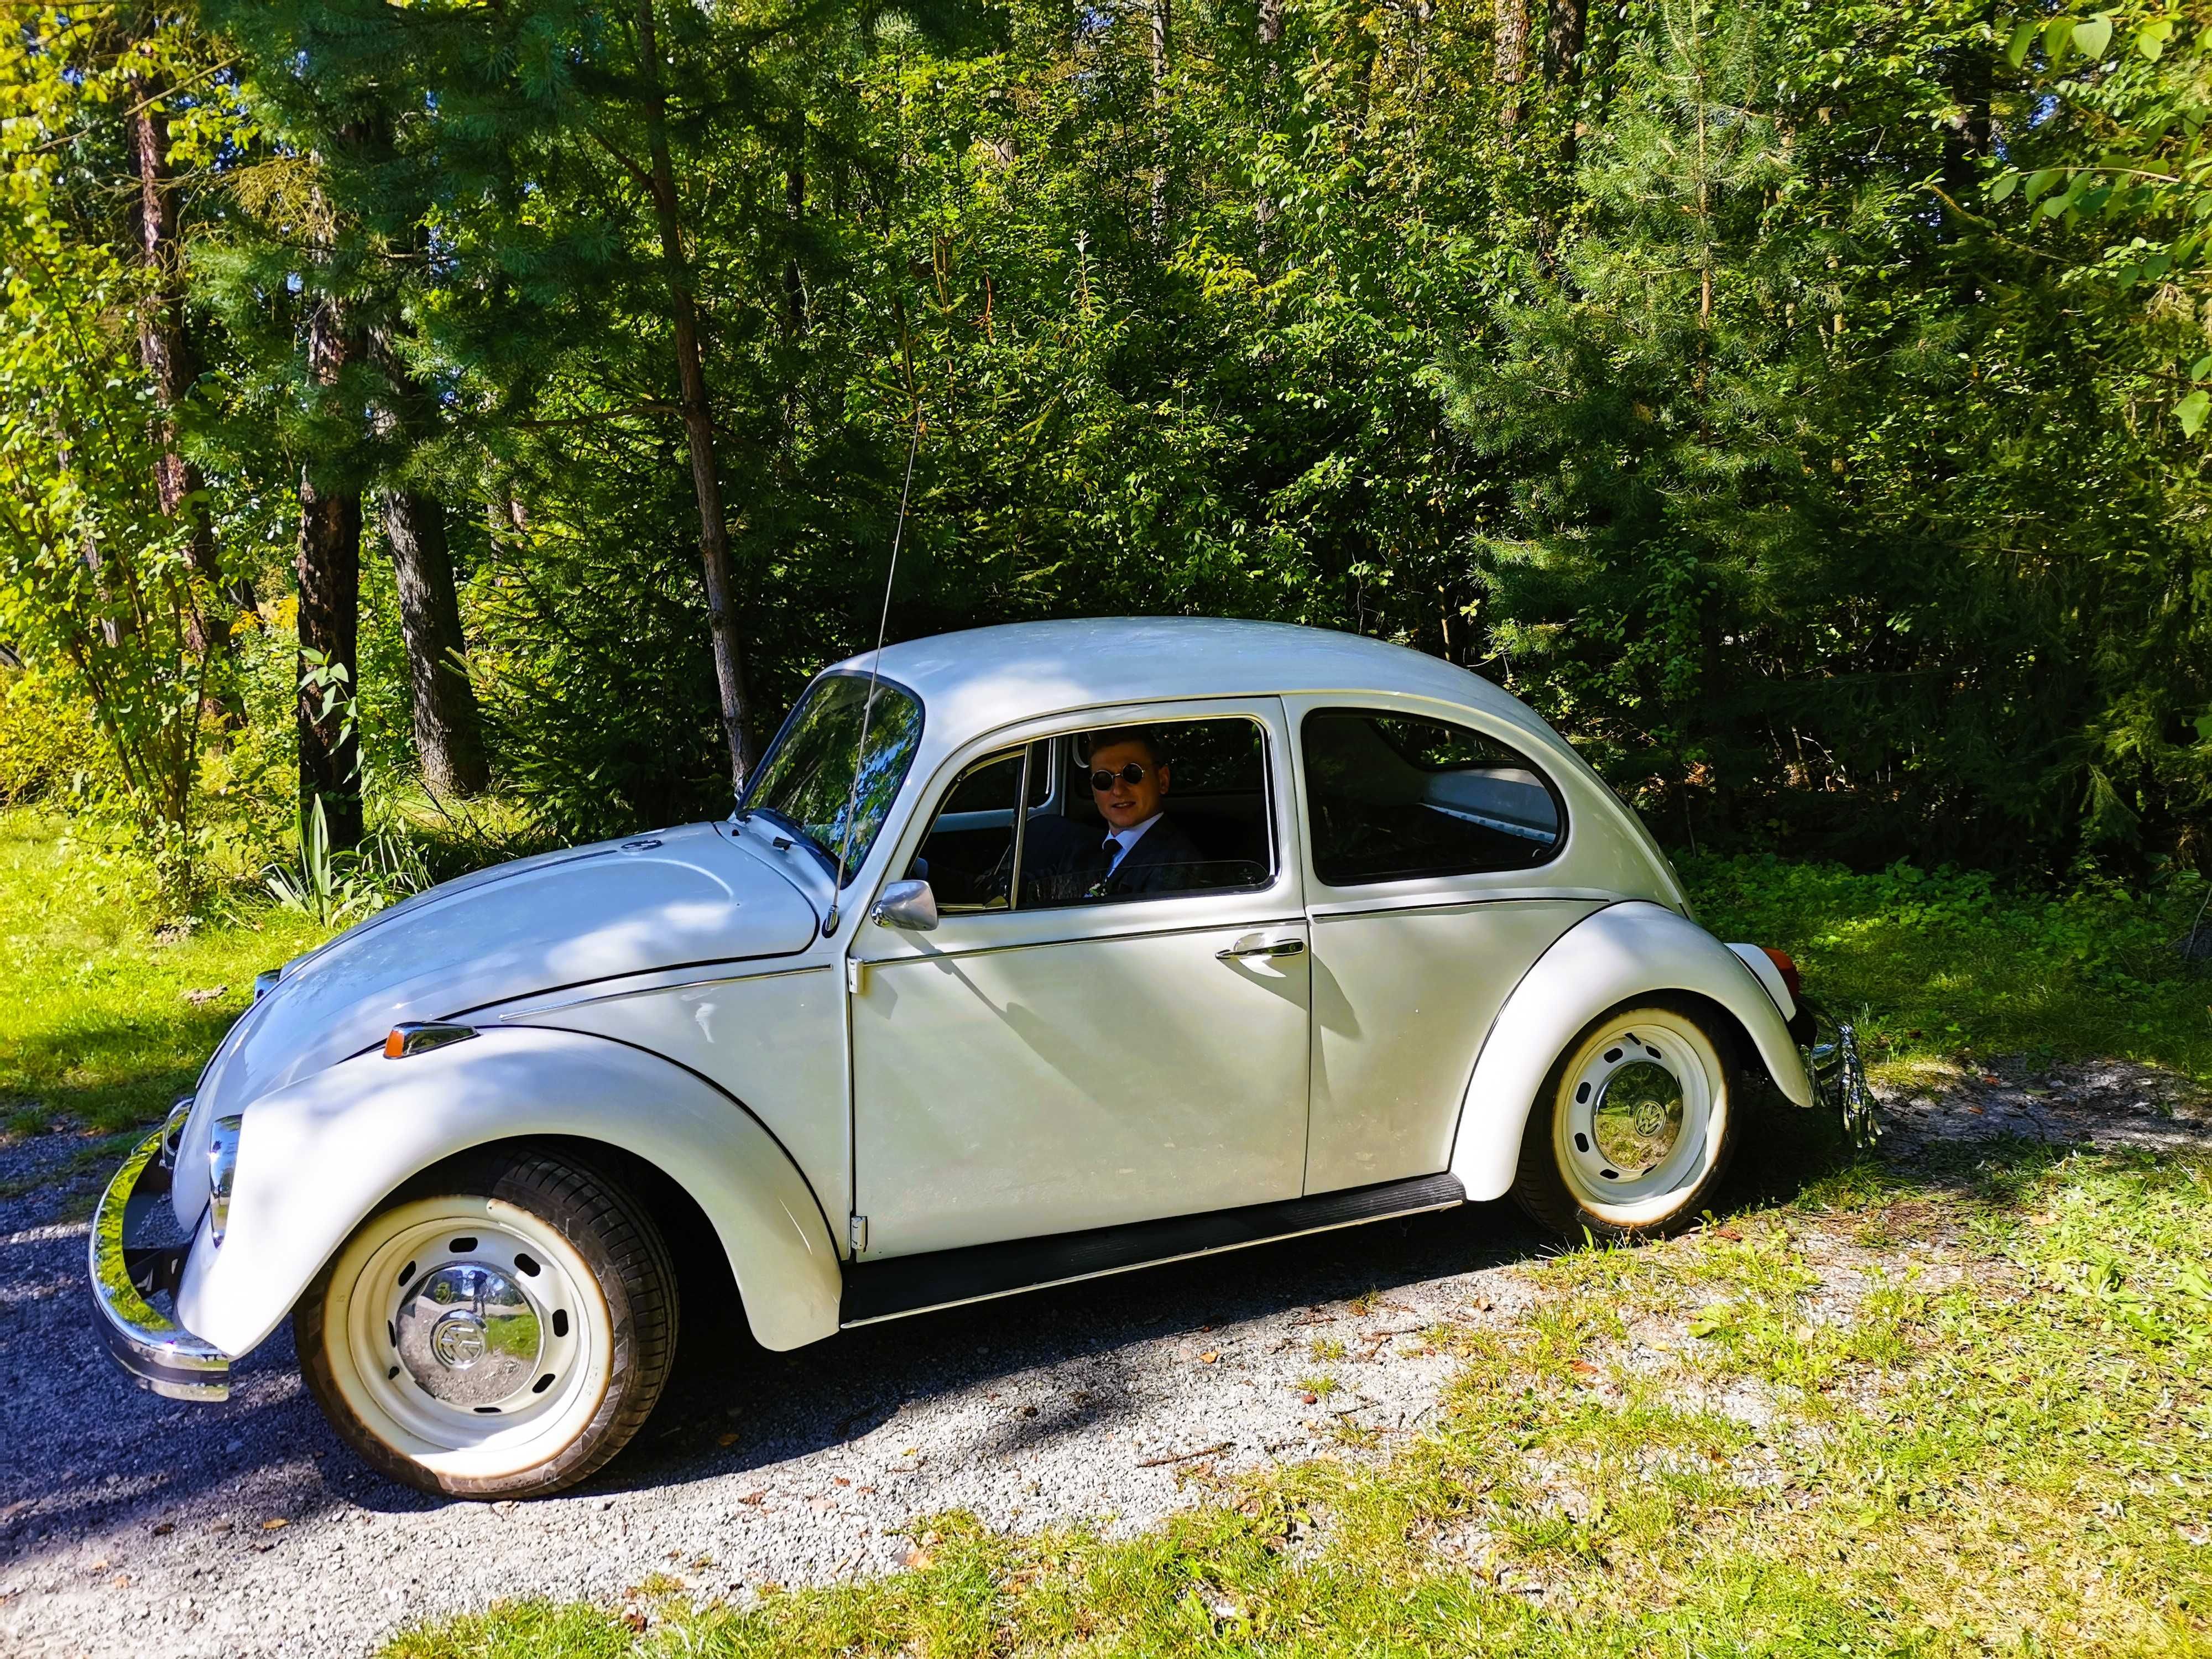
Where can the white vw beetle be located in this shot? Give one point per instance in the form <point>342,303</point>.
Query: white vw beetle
<point>1369,940</point>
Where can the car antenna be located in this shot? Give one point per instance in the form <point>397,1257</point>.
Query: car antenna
<point>868,707</point>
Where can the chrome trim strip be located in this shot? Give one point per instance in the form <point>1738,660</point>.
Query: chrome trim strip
<point>160,1353</point>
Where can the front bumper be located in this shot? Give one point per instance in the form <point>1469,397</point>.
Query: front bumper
<point>153,1348</point>
<point>1839,1080</point>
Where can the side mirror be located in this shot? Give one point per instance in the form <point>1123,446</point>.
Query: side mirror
<point>908,904</point>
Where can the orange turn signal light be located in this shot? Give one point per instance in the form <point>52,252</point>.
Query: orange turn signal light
<point>419,1036</point>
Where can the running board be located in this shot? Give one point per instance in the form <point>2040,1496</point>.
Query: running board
<point>941,1278</point>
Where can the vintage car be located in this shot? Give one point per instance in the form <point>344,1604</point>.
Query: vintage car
<point>907,1030</point>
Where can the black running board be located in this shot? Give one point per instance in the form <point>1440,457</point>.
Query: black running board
<point>939,1278</point>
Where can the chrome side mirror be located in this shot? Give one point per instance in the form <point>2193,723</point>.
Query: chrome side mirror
<point>908,904</point>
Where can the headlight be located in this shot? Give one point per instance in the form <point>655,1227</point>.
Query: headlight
<point>222,1165</point>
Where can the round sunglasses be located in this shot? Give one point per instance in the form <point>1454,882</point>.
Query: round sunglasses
<point>1133,772</point>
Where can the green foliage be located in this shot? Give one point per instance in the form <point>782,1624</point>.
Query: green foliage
<point>1936,964</point>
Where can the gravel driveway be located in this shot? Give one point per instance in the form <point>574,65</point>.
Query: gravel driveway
<point>131,1524</point>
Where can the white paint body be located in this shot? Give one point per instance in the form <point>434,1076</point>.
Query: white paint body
<point>1007,1075</point>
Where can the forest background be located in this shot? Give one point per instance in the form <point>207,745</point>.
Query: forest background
<point>477,419</point>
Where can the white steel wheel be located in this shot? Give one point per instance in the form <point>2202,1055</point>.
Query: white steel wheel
<point>1635,1126</point>
<point>504,1337</point>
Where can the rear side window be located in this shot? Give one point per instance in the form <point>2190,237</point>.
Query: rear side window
<point>1390,797</point>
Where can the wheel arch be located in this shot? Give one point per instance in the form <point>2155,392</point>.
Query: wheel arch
<point>317,1158</point>
<point>1626,952</point>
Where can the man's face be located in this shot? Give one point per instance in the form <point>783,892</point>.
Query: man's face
<point>1121,803</point>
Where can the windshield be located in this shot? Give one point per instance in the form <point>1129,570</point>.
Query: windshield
<point>807,779</point>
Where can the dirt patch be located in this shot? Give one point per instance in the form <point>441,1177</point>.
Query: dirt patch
<point>2106,1103</point>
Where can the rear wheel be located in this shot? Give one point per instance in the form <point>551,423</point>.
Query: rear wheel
<point>500,1330</point>
<point>1635,1125</point>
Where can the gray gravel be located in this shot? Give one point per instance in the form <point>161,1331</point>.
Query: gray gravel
<point>131,1524</point>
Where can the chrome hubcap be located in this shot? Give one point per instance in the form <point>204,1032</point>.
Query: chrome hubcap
<point>469,1335</point>
<point>1637,1118</point>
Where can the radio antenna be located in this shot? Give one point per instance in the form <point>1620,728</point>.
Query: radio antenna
<point>868,707</point>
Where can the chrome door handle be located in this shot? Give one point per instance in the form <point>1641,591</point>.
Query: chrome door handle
<point>1258,944</point>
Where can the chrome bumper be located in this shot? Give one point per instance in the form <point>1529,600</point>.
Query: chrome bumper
<point>1839,1080</point>
<point>160,1353</point>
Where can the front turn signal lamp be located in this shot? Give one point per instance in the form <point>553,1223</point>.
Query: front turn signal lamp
<point>419,1037</point>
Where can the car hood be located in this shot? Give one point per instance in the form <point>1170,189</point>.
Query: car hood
<point>664,899</point>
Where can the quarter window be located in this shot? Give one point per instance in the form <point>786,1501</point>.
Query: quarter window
<point>1393,797</point>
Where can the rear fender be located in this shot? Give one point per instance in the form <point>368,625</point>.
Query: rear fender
<point>1625,950</point>
<point>318,1157</point>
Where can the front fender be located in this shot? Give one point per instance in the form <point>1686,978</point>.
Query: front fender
<point>316,1159</point>
<point>1628,949</point>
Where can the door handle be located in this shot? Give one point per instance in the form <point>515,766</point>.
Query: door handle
<point>1258,944</point>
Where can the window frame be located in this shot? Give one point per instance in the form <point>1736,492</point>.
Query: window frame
<point>1058,732</point>
<point>1323,704</point>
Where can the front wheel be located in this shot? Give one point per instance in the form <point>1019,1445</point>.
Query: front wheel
<point>1635,1125</point>
<point>498,1330</point>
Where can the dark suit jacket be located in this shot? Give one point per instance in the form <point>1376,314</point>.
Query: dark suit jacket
<point>1064,862</point>
<point>1163,861</point>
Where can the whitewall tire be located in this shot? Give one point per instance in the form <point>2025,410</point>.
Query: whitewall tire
<point>1636,1123</point>
<point>501,1328</point>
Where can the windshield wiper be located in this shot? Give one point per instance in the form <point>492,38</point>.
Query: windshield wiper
<point>798,832</point>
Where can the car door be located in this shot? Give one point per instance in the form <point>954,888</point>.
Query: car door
<point>1429,842</point>
<point>1049,1060</point>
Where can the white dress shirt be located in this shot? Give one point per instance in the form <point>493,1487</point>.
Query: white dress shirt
<point>1121,841</point>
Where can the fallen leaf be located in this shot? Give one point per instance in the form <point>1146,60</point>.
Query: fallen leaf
<point>201,999</point>
<point>635,1620</point>
<point>121,1581</point>
<point>916,1557</point>
<point>841,1480</point>
<point>163,1528</point>
<point>1208,1357</point>
<point>754,1497</point>
<point>1729,1233</point>
<point>731,1439</point>
<point>1583,1368</point>
<point>1028,1411</point>
<point>911,1450</point>
<point>272,1524</point>
<point>863,1489</point>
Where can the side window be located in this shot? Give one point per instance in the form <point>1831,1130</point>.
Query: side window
<point>1391,796</point>
<point>1157,811</point>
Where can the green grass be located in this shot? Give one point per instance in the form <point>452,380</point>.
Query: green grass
<point>1933,966</point>
<point>96,1023</point>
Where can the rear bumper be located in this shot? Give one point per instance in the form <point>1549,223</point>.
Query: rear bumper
<point>1839,1081</point>
<point>161,1354</point>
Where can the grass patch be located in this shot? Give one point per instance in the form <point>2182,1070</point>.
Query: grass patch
<point>1935,965</point>
<point>99,1025</point>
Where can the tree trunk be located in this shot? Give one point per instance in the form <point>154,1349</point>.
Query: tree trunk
<point>698,422</point>
<point>1512,57</point>
<point>330,606</point>
<point>1565,31</point>
<point>1160,21</point>
<point>448,736</point>
<point>165,349</point>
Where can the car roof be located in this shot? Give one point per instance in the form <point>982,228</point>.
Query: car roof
<point>981,679</point>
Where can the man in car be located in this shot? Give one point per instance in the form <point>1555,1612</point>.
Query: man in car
<point>1141,849</point>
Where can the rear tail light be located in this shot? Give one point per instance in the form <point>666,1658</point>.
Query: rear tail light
<point>1788,970</point>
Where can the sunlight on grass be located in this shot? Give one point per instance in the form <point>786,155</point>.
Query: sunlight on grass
<point>104,1021</point>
